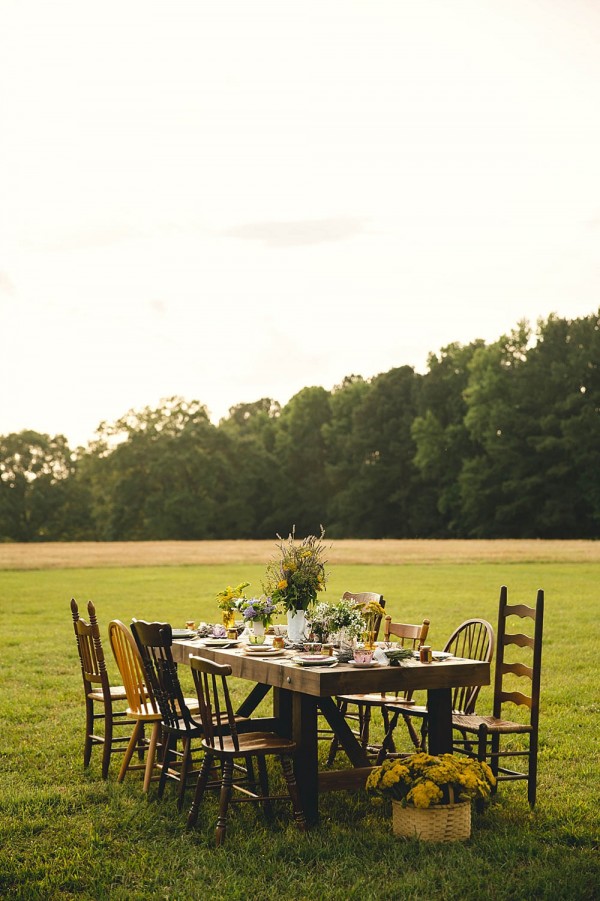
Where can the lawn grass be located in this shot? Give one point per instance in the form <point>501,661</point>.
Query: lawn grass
<point>64,833</point>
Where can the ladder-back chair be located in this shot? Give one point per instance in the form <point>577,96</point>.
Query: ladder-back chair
<point>100,696</point>
<point>491,729</point>
<point>223,743</point>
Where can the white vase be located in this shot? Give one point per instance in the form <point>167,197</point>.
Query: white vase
<point>258,627</point>
<point>296,626</point>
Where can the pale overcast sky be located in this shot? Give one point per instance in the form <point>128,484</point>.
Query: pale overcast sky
<point>236,199</point>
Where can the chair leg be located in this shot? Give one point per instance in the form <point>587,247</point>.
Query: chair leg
<point>532,771</point>
<point>108,736</point>
<point>226,786</point>
<point>364,719</point>
<point>334,746</point>
<point>185,766</point>
<point>205,771</point>
<point>89,731</point>
<point>387,746</point>
<point>151,755</point>
<point>250,774</point>
<point>412,732</point>
<point>169,742</point>
<point>133,743</point>
<point>264,787</point>
<point>292,787</point>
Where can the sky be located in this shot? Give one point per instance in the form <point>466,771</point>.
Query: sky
<point>234,200</point>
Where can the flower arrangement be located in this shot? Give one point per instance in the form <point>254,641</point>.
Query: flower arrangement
<point>346,616</point>
<point>423,780</point>
<point>261,609</point>
<point>372,613</point>
<point>294,579</point>
<point>227,599</point>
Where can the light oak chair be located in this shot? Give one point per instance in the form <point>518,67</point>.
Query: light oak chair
<point>223,742</point>
<point>406,635</point>
<point>492,731</point>
<point>100,697</point>
<point>142,706</point>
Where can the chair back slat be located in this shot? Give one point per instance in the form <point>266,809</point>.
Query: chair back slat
<point>518,669</point>
<point>522,641</point>
<point>515,697</point>
<point>216,709</point>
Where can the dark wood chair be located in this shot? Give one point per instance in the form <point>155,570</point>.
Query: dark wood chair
<point>407,635</point>
<point>100,696</point>
<point>223,742</point>
<point>141,704</point>
<point>473,639</point>
<point>154,641</point>
<point>489,730</point>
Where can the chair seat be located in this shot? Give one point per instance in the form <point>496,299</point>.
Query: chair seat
<point>374,699</point>
<point>117,693</point>
<point>493,724</point>
<point>252,743</point>
<point>146,713</point>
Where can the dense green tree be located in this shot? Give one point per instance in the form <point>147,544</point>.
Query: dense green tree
<point>442,441</point>
<point>250,431</point>
<point>34,487</point>
<point>300,488</point>
<point>381,498</point>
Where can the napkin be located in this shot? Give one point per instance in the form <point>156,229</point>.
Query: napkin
<point>381,657</point>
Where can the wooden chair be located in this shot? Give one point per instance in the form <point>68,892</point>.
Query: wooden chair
<point>142,706</point>
<point>222,742</point>
<point>473,639</point>
<point>407,635</point>
<point>98,692</point>
<point>154,641</point>
<point>490,729</point>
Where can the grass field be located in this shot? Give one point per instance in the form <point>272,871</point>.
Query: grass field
<point>64,833</point>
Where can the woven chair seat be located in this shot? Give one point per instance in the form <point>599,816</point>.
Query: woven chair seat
<point>492,723</point>
<point>117,693</point>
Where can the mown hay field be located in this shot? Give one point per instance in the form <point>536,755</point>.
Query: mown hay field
<point>59,555</point>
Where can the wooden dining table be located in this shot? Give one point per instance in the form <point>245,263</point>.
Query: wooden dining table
<point>301,693</point>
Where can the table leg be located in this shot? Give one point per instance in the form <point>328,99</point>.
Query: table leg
<point>300,711</point>
<point>439,708</point>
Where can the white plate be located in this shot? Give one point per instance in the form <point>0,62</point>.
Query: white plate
<point>220,642</point>
<point>181,634</point>
<point>263,651</point>
<point>364,665</point>
<point>441,655</point>
<point>315,660</point>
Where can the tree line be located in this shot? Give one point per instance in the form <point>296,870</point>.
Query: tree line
<point>497,440</point>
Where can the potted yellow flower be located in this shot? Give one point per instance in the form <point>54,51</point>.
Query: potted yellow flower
<point>431,796</point>
<point>227,601</point>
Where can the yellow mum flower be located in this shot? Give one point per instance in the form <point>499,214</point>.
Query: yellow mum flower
<point>282,584</point>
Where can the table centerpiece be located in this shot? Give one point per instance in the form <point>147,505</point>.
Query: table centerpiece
<point>294,578</point>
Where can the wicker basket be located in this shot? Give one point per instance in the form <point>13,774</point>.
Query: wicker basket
<point>444,823</point>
